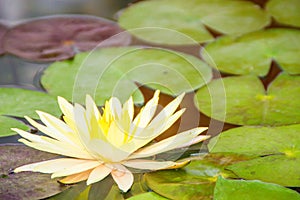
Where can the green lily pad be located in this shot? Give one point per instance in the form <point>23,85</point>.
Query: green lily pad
<point>251,190</point>
<point>180,185</point>
<point>25,185</point>
<point>114,72</point>
<point>278,148</point>
<point>280,169</point>
<point>257,141</point>
<point>253,53</point>
<point>55,38</point>
<point>289,16</point>
<point>243,100</point>
<point>195,181</point>
<point>73,192</point>
<point>147,196</point>
<point>20,102</point>
<point>179,22</point>
<point>6,123</point>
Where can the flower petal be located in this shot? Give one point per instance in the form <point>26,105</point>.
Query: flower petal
<point>123,177</point>
<point>50,166</point>
<point>93,117</point>
<point>61,131</point>
<point>152,131</point>
<point>116,135</point>
<point>167,111</point>
<point>128,109</point>
<point>196,140</point>
<point>115,107</point>
<point>168,144</point>
<point>98,174</point>
<point>147,112</point>
<point>75,178</point>
<point>81,167</point>
<point>107,151</point>
<point>51,145</point>
<point>149,164</point>
<point>58,148</point>
<point>81,123</point>
<point>65,107</point>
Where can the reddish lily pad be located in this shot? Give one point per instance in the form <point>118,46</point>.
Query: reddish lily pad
<point>3,30</point>
<point>247,102</point>
<point>289,16</point>
<point>253,53</point>
<point>61,37</point>
<point>25,185</point>
<point>178,22</point>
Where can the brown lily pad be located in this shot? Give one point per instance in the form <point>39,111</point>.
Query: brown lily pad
<point>61,37</point>
<point>3,30</point>
<point>24,185</point>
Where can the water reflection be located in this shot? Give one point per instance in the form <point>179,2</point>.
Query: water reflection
<point>13,10</point>
<point>20,73</point>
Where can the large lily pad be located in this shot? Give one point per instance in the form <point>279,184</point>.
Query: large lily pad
<point>253,53</point>
<point>3,30</point>
<point>247,102</point>
<point>278,148</point>
<point>289,16</point>
<point>251,190</point>
<point>20,102</point>
<point>257,141</point>
<point>180,22</point>
<point>25,185</point>
<point>6,123</point>
<point>114,72</point>
<point>195,181</point>
<point>60,37</point>
<point>280,169</point>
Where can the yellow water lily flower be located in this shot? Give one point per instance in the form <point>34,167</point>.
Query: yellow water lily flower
<point>96,145</point>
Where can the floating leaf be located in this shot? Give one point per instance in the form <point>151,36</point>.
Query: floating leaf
<point>147,196</point>
<point>26,185</point>
<point>243,100</point>
<point>289,16</point>
<point>61,37</point>
<point>114,71</point>
<point>180,185</point>
<point>180,22</point>
<point>195,181</point>
<point>20,102</point>
<point>73,192</point>
<point>253,53</point>
<point>279,169</point>
<point>278,146</point>
<point>258,141</point>
<point>6,123</point>
<point>251,190</point>
<point>3,30</point>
